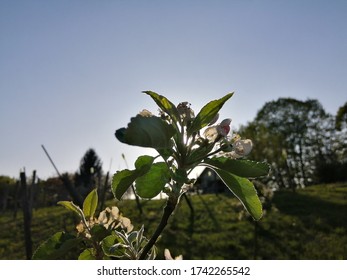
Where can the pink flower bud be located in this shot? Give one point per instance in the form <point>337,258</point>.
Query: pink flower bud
<point>224,127</point>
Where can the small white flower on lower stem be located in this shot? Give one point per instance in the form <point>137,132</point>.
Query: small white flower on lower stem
<point>126,223</point>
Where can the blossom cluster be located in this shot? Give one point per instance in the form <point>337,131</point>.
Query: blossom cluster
<point>110,218</point>
<point>231,146</point>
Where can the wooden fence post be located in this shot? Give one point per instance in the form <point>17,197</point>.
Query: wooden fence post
<point>32,194</point>
<point>26,216</point>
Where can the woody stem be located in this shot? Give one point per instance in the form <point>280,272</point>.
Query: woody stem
<point>168,209</point>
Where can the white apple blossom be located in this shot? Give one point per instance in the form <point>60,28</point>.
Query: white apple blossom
<point>241,148</point>
<point>212,133</point>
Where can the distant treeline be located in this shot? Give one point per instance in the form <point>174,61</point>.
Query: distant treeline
<point>65,186</point>
<point>302,142</point>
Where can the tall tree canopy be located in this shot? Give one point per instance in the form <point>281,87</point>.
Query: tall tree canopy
<point>290,134</point>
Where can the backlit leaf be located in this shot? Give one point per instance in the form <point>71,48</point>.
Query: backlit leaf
<point>69,205</point>
<point>123,179</point>
<point>88,254</point>
<point>151,132</point>
<point>153,182</point>
<point>244,190</point>
<point>110,248</point>
<point>90,204</point>
<point>242,168</point>
<point>57,247</point>
<point>207,114</point>
<point>143,164</point>
<point>164,104</point>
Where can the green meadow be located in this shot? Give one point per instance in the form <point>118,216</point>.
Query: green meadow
<point>308,224</point>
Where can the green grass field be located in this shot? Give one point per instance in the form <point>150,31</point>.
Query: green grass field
<point>308,224</point>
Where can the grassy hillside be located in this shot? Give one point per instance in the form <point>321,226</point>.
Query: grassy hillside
<point>309,224</point>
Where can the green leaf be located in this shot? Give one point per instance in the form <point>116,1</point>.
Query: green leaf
<point>109,249</point>
<point>150,132</point>
<point>120,134</point>
<point>165,153</point>
<point>153,182</point>
<point>164,104</point>
<point>244,190</point>
<point>207,114</point>
<point>242,168</point>
<point>99,232</point>
<point>69,205</point>
<point>143,164</point>
<point>57,247</point>
<point>199,153</point>
<point>123,179</point>
<point>180,176</point>
<point>90,204</point>
<point>88,254</point>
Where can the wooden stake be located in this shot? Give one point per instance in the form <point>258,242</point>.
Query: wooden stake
<point>26,216</point>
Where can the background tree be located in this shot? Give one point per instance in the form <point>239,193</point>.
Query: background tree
<point>341,117</point>
<point>332,165</point>
<point>341,125</point>
<point>90,172</point>
<point>291,134</point>
<point>270,147</point>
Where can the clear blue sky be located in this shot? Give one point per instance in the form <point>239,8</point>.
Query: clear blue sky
<point>72,72</point>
